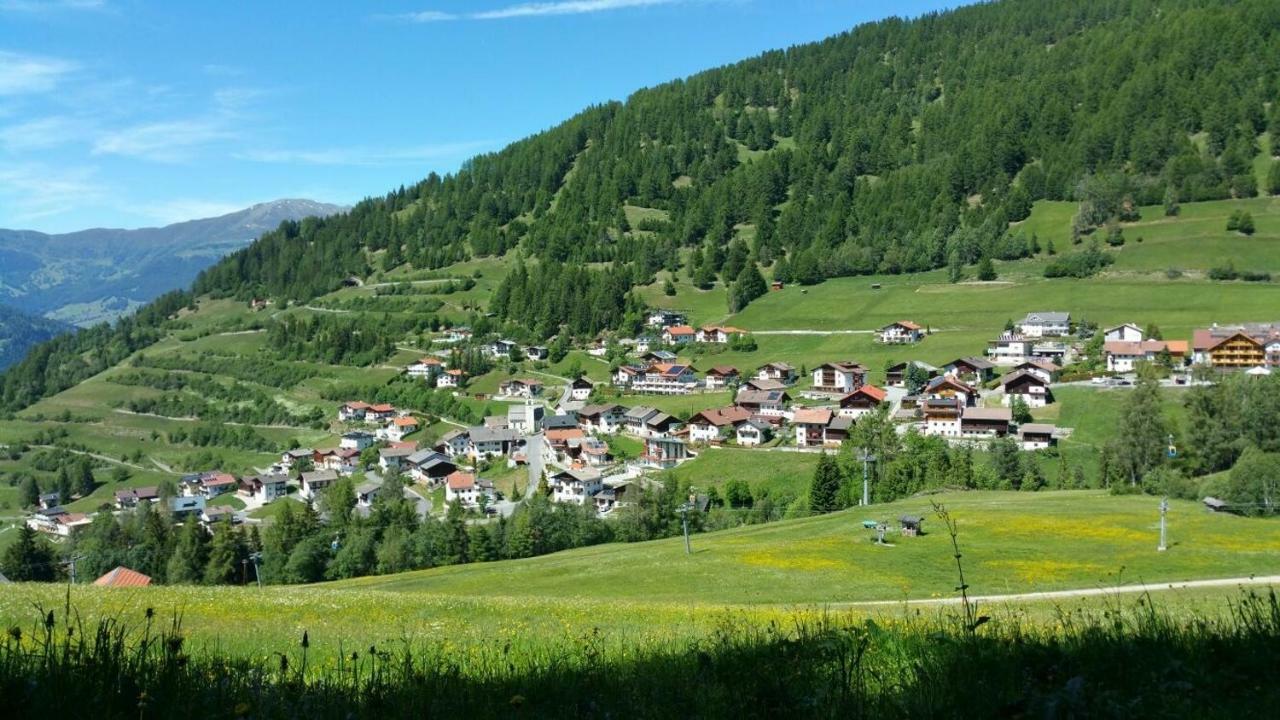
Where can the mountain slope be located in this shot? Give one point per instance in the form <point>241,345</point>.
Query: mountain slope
<point>91,276</point>
<point>897,147</point>
<point>18,332</point>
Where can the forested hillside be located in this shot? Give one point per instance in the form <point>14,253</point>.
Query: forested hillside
<point>19,331</point>
<point>899,146</point>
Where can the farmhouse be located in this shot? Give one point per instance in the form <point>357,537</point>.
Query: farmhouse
<point>778,371</point>
<point>947,387</point>
<point>753,432</point>
<point>521,388</point>
<point>941,416</point>
<point>970,369</point>
<point>717,334</point>
<point>811,426</point>
<point>721,376</point>
<point>466,489</point>
<point>769,403</point>
<point>352,411</point>
<point>861,401</point>
<point>580,388</point>
<point>678,335</point>
<point>425,369</point>
<point>451,379</point>
<point>356,440</point>
<point>1237,346</point>
<point>454,442</point>
<point>1009,349</point>
<point>393,459</point>
<point>265,488</point>
<point>1045,324</point>
<point>838,377</point>
<point>985,422</point>
<point>400,428</point>
<point>430,467</point>
<point>713,426</point>
<point>1033,389</point>
<point>608,418</point>
<point>1124,356</point>
<point>487,442</point>
<point>665,379</point>
<point>576,486</point>
<point>1036,436</point>
<point>664,452</point>
<point>903,331</point>
<point>1127,332</point>
<point>311,484</point>
<point>665,318</point>
<point>291,457</point>
<point>896,375</point>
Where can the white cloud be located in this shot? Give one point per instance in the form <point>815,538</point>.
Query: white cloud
<point>43,133</point>
<point>427,16</point>
<point>36,191</point>
<point>178,210</point>
<point>360,156</point>
<point>531,9</point>
<point>171,141</point>
<point>565,7</point>
<point>24,74</point>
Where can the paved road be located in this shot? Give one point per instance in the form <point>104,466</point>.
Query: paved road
<point>1084,592</point>
<point>535,450</point>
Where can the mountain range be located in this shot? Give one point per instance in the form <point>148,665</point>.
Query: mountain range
<point>91,276</point>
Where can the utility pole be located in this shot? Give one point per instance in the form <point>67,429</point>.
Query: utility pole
<point>684,520</point>
<point>1164,510</point>
<point>866,458</point>
<point>71,561</point>
<point>244,571</point>
<point>257,574</point>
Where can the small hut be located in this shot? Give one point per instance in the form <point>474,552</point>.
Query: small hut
<point>912,525</point>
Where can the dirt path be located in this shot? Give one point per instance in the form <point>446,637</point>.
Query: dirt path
<point>1084,592</point>
<point>104,458</point>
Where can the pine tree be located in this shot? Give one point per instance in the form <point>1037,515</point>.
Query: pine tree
<point>225,553</point>
<point>85,482</point>
<point>825,488</point>
<point>187,564</point>
<point>64,485</point>
<point>986,269</point>
<point>29,559</point>
<point>28,492</point>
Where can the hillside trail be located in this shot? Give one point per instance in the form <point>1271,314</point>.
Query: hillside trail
<point>1078,593</point>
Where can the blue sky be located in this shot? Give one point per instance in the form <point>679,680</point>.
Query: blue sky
<point>120,113</point>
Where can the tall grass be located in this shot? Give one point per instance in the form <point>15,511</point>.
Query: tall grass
<point>1135,661</point>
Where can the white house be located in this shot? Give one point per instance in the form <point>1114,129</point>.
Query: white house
<point>356,440</point>
<point>712,426</point>
<point>1036,436</point>
<point>665,318</point>
<point>861,401</point>
<point>1045,324</point>
<point>451,379</point>
<point>779,371</point>
<point>264,487</point>
<point>606,419</point>
<point>769,403</point>
<point>717,333</point>
<point>942,416</point>
<point>1033,389</point>
<point>665,379</point>
<point>1123,356</point>
<point>454,442</point>
<point>487,442</point>
<point>985,423</point>
<point>838,377</point>
<point>678,334</point>
<point>399,428</point>
<point>664,452</point>
<point>458,334</point>
<point>1009,349</point>
<point>466,488</point>
<point>903,331</point>
<point>576,486</point>
<point>753,432</point>
<point>721,376</point>
<point>352,411</point>
<point>521,388</point>
<point>392,459</point>
<point>311,484</point>
<point>1127,332</point>
<point>525,419</point>
<point>811,426</point>
<point>425,369</point>
<point>580,389</point>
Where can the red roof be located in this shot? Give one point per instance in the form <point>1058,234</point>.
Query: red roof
<point>123,577</point>
<point>720,417</point>
<point>405,422</point>
<point>384,408</point>
<point>430,361</point>
<point>357,405</point>
<point>220,479</point>
<point>679,330</point>
<point>870,391</point>
<point>459,480</point>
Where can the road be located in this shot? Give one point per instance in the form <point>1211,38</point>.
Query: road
<point>1084,592</point>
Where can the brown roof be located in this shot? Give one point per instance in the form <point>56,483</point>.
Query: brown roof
<point>906,324</point>
<point>405,422</point>
<point>723,370</point>
<point>870,391</point>
<point>720,417</point>
<point>1125,347</point>
<point>1000,413</point>
<point>812,416</point>
<point>383,408</point>
<point>123,577</point>
<point>680,330</point>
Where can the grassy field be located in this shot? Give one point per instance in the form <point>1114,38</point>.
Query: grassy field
<point>1012,542</point>
<point>788,473</point>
